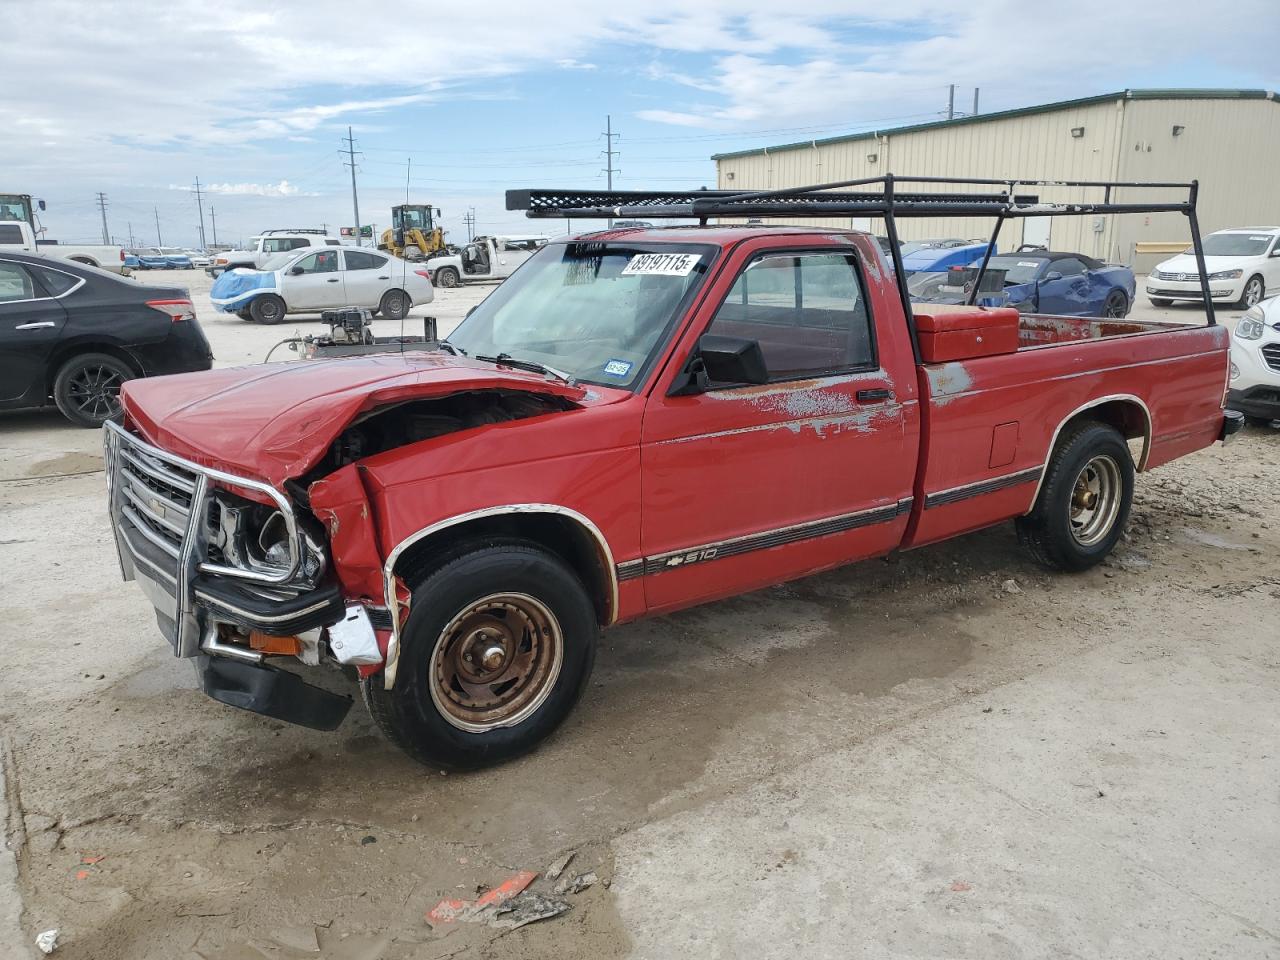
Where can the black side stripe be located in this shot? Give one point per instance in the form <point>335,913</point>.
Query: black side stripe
<point>760,541</point>
<point>956,494</point>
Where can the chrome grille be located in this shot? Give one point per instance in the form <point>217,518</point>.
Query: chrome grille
<point>1182,277</point>
<point>1271,354</point>
<point>156,498</point>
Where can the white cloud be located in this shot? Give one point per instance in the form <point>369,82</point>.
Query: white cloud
<point>569,63</point>
<point>282,189</point>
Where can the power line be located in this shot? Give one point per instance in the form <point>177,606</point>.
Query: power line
<point>200,206</point>
<point>102,206</point>
<point>351,162</point>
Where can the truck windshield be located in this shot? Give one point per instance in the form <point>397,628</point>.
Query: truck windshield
<point>597,311</point>
<point>15,206</point>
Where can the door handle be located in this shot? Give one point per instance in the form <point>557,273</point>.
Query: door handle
<point>384,278</point>
<point>332,280</point>
<point>871,396</point>
<point>39,325</point>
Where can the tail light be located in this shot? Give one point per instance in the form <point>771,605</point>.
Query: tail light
<point>122,256</point>
<point>423,273</point>
<point>178,310</point>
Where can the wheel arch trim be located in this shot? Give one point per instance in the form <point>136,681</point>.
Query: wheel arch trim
<point>552,509</point>
<point>1084,408</point>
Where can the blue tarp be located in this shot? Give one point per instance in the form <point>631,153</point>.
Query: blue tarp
<point>234,289</point>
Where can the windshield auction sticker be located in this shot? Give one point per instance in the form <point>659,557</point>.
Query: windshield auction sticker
<point>661,265</point>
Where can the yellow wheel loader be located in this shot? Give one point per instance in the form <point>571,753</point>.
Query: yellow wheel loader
<point>413,234</point>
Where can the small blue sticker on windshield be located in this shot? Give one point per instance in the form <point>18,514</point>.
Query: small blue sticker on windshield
<point>617,368</point>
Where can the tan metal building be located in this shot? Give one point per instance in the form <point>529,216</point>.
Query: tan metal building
<point>1227,139</point>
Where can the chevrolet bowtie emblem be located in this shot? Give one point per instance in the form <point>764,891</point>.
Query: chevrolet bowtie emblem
<point>157,506</point>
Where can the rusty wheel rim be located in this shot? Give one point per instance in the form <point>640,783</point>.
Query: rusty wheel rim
<point>1095,500</point>
<point>496,662</point>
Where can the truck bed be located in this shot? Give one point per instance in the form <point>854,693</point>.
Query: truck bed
<point>989,423</point>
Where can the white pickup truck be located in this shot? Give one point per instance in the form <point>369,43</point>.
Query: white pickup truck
<point>18,235</point>
<point>484,258</point>
<point>266,245</point>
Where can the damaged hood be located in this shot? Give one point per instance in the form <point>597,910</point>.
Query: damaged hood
<point>275,421</point>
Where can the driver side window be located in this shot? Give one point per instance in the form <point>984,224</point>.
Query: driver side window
<point>807,311</point>
<point>326,261</point>
<point>1068,267</point>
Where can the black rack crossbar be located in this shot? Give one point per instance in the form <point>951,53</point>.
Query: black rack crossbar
<point>851,198</point>
<point>836,200</point>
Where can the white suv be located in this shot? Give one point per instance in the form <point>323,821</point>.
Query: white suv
<point>267,245</point>
<point>1243,265</point>
<point>1255,363</point>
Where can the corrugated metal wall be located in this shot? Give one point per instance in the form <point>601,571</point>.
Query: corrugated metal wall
<point>1227,144</point>
<point>1231,146</point>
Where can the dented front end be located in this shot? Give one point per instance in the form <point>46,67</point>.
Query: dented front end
<point>249,568</point>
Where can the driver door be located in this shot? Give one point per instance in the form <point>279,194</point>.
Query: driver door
<point>747,485</point>
<point>1067,293</point>
<point>315,282</point>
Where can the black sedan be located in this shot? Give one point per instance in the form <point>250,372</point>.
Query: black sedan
<point>71,334</point>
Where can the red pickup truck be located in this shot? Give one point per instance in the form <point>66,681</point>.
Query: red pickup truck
<point>637,421</point>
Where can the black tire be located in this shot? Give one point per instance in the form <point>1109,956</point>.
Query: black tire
<point>444,277</point>
<point>1160,302</point>
<point>409,714</point>
<point>1050,531</point>
<point>1258,421</point>
<point>394,305</point>
<point>87,388</point>
<point>1255,289</point>
<point>245,315</point>
<point>268,309</point>
<point>1116,305</point>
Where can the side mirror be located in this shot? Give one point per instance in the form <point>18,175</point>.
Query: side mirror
<point>1052,275</point>
<point>40,204</point>
<point>297,271</point>
<point>721,359</point>
<point>1274,253</point>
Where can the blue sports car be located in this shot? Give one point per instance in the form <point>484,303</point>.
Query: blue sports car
<point>1062,284</point>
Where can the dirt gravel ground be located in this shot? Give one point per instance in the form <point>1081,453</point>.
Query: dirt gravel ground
<point>903,758</point>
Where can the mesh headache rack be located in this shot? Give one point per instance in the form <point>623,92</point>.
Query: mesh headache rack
<point>878,197</point>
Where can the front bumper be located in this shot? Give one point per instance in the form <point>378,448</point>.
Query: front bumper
<point>160,506</point>
<point>1261,402</point>
<point>1225,290</point>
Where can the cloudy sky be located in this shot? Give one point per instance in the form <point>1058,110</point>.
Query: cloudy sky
<point>466,99</point>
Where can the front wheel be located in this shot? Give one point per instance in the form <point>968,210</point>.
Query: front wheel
<point>394,305</point>
<point>1252,293</point>
<point>1084,500</point>
<point>496,650</point>
<point>267,309</point>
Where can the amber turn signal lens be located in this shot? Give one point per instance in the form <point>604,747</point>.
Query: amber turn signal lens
<point>266,643</point>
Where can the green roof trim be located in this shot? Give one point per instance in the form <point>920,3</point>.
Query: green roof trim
<point>1171,94</point>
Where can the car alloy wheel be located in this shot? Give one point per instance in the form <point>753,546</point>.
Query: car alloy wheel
<point>1252,292</point>
<point>1095,500</point>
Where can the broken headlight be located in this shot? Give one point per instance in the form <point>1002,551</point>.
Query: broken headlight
<point>255,537</point>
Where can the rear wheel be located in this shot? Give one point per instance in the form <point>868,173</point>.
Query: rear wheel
<point>1084,500</point>
<point>87,388</point>
<point>496,650</point>
<point>268,309</point>
<point>1116,305</point>
<point>394,305</point>
<point>1252,293</point>
<point>1160,302</point>
<point>445,277</point>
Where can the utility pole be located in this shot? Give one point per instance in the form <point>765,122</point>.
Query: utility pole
<point>609,153</point>
<point>351,162</point>
<point>214,217</point>
<point>129,224</point>
<point>951,102</point>
<point>975,102</point>
<point>200,205</point>
<point>469,218</point>
<point>102,205</point>
<point>159,239</point>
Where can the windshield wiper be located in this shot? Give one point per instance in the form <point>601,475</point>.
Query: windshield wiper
<point>446,345</point>
<point>531,365</point>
